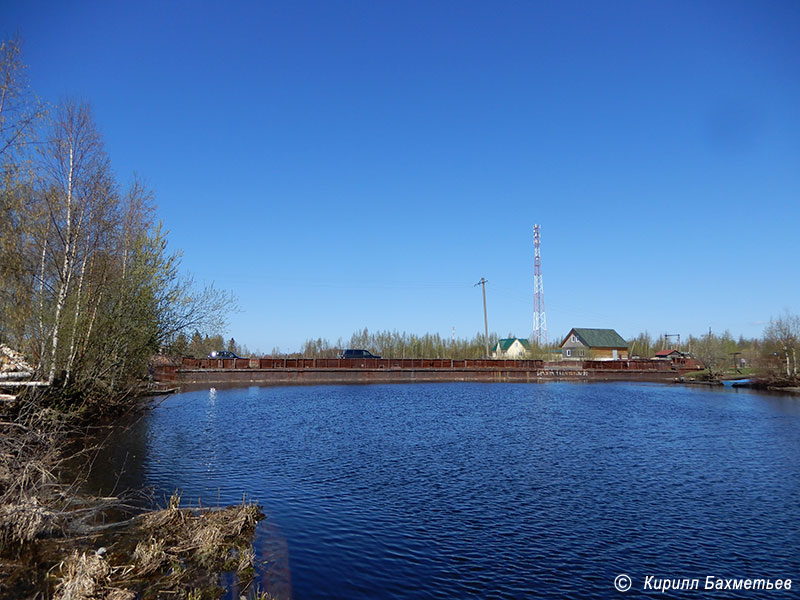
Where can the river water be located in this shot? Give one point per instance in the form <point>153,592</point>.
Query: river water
<point>469,490</point>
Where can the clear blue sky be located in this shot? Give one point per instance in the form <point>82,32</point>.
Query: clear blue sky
<point>341,165</point>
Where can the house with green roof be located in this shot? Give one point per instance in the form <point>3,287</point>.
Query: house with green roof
<point>510,348</point>
<point>598,344</point>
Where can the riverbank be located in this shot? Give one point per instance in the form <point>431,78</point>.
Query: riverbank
<point>759,385</point>
<point>58,541</point>
<point>770,386</point>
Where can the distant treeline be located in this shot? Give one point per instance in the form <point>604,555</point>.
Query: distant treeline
<point>200,346</point>
<point>646,345</point>
<point>389,344</point>
<point>773,356</point>
<point>394,344</point>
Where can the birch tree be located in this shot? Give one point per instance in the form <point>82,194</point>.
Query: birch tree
<point>780,347</point>
<point>19,108</point>
<point>76,176</point>
<point>88,287</point>
<point>20,112</point>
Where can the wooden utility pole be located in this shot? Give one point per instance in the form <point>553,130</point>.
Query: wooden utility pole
<point>483,283</point>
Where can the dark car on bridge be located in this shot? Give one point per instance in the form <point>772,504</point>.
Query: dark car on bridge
<point>357,354</point>
<point>223,354</point>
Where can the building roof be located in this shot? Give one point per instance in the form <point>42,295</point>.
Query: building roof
<point>598,338</point>
<point>506,343</point>
<point>661,353</point>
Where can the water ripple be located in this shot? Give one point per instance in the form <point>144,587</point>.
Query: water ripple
<point>490,491</point>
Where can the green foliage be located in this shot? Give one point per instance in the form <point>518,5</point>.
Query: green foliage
<point>20,112</point>
<point>180,346</point>
<point>778,357</point>
<point>88,289</point>
<point>642,346</point>
<point>203,345</point>
<point>393,344</point>
<point>537,352</point>
<point>716,352</point>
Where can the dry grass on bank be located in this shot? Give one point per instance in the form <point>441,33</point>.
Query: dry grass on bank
<point>88,576</point>
<point>181,552</point>
<point>57,543</point>
<point>32,501</point>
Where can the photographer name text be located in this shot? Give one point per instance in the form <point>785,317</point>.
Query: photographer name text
<point>711,583</point>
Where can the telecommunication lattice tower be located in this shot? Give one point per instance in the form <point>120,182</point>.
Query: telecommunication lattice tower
<point>539,316</point>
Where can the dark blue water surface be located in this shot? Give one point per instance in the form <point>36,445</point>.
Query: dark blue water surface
<point>490,490</point>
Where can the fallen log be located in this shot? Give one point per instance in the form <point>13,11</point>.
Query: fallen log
<point>16,375</point>
<point>6,384</point>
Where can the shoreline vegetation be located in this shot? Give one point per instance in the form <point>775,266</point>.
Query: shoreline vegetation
<point>59,541</point>
<point>88,294</point>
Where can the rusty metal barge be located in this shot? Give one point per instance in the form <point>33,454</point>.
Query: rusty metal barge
<point>290,371</point>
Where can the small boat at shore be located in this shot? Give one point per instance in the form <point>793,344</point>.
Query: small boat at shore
<point>737,382</point>
<point>158,391</point>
